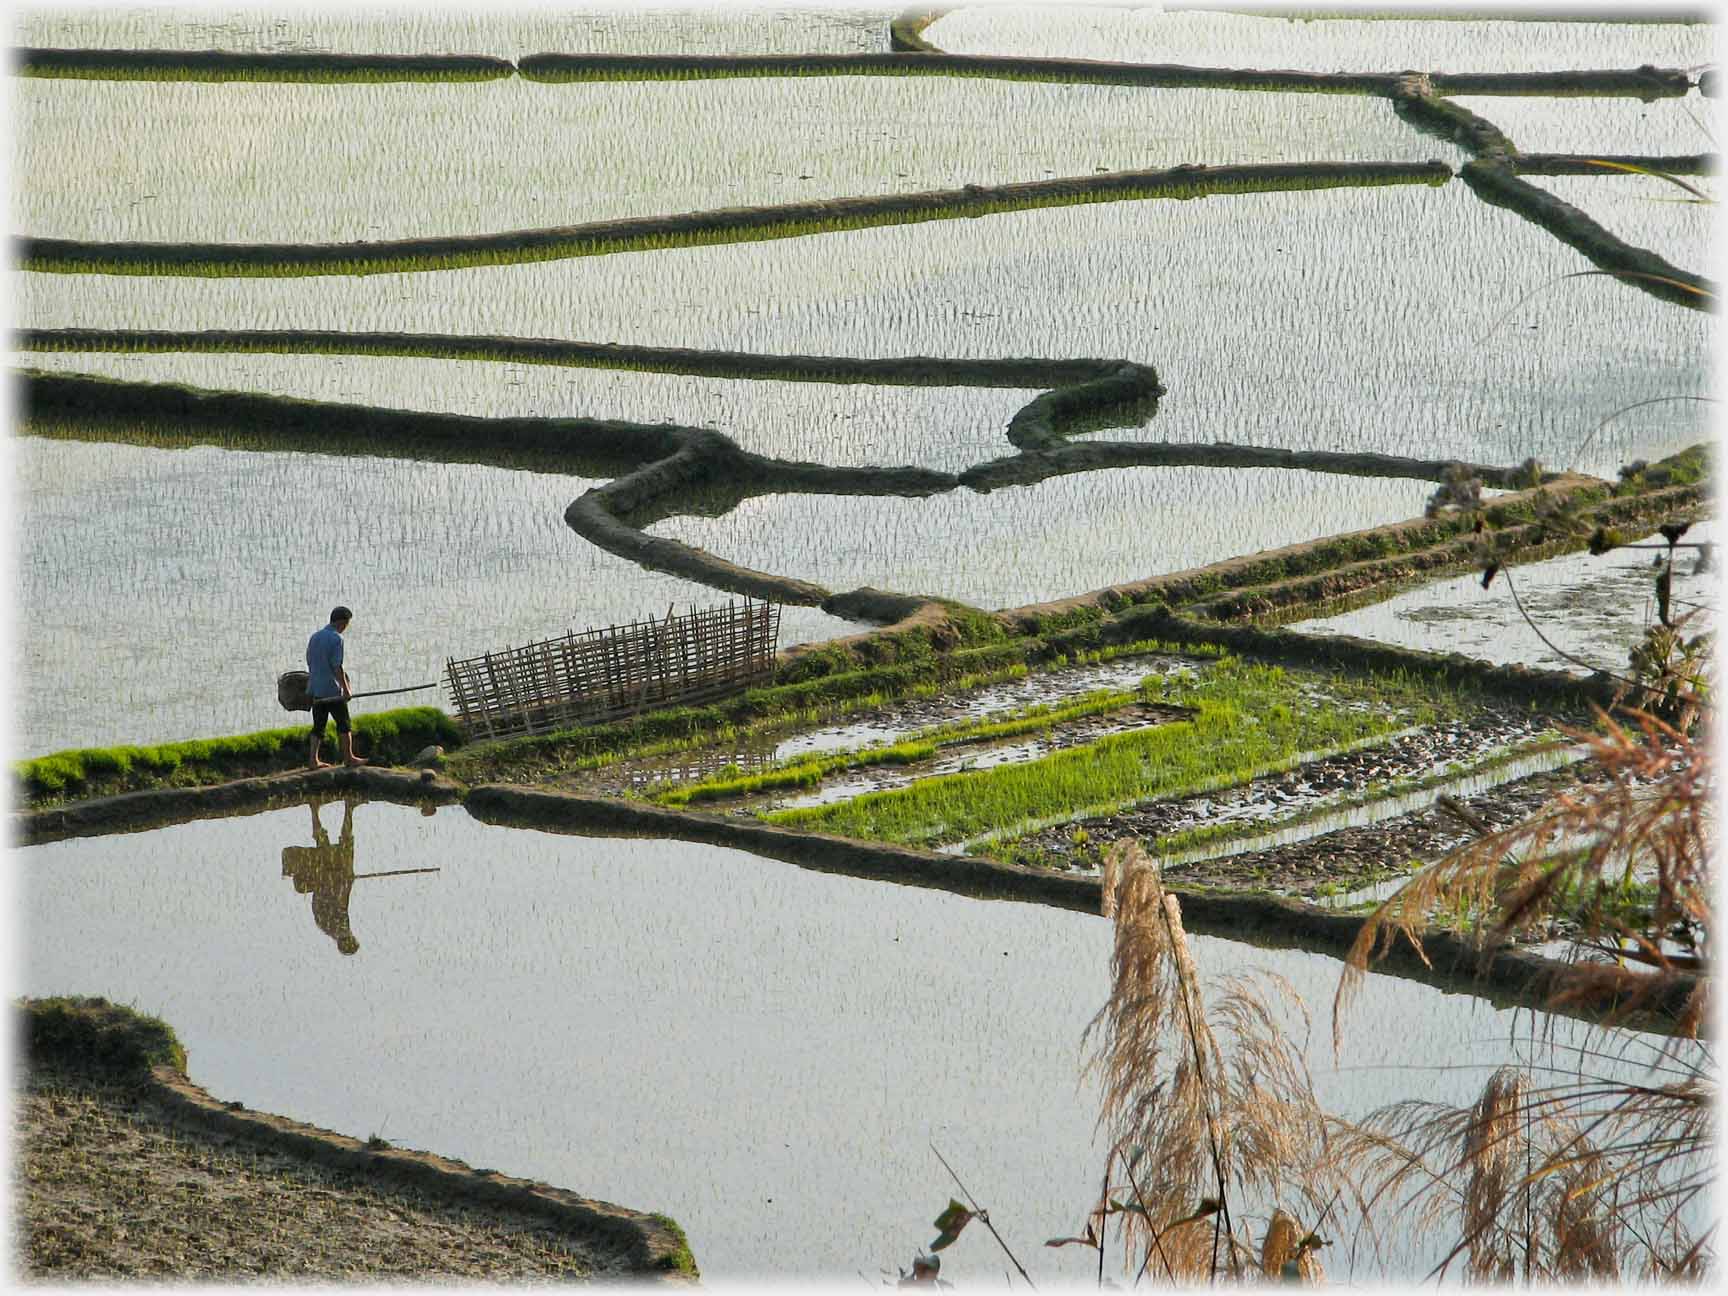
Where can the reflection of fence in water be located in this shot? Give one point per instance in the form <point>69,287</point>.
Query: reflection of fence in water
<point>595,675</point>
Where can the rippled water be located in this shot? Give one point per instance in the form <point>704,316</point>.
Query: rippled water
<point>503,33</point>
<point>762,1052</point>
<point>1339,43</point>
<point>1440,326</point>
<point>1066,535</point>
<point>1590,611</point>
<point>162,591</point>
<point>416,160</point>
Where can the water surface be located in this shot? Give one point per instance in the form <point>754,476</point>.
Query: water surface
<point>1591,611</point>
<point>737,1042</point>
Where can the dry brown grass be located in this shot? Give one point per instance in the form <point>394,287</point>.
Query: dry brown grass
<point>1599,1173</point>
<point>1587,1169</point>
<point>1589,1178</point>
<point>1211,1112</point>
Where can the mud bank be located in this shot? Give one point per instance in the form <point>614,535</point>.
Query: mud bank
<point>161,807</point>
<point>1494,177</point>
<point>697,229</point>
<point>915,56</point>
<point>226,65</point>
<point>93,1035</point>
<point>1496,182</point>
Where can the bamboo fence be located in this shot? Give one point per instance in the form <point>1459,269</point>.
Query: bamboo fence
<point>591,676</point>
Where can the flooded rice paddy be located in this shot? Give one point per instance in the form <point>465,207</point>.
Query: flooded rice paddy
<point>1503,360</point>
<point>1588,613</point>
<point>131,554</point>
<point>576,153</point>
<point>504,33</point>
<point>1545,40</point>
<point>763,1052</point>
<point>1029,544</point>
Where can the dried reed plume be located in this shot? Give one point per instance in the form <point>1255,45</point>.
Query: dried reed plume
<point>1600,1174</point>
<point>1198,1128</point>
<point>1625,862</point>
<point>1596,1177</point>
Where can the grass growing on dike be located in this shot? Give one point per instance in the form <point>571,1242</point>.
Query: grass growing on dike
<point>100,771</point>
<point>1251,719</point>
<point>697,229</point>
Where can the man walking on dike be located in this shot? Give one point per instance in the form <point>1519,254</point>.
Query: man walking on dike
<point>329,688</point>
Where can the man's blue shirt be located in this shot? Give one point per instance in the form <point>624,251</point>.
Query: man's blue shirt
<point>323,659</point>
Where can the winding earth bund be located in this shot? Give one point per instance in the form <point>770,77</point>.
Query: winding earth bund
<point>656,1251</point>
<point>1494,177</point>
<point>662,470</point>
<point>226,65</point>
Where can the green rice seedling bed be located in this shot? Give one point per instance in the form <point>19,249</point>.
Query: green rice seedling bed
<point>1221,834</point>
<point>807,772</point>
<point>1250,719</point>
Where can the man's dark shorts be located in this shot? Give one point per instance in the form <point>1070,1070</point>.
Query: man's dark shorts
<point>322,710</point>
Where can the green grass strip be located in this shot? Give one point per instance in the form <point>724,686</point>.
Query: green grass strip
<point>699,229</point>
<point>93,1033</point>
<point>808,771</point>
<point>227,65</point>
<point>1250,718</point>
<point>385,735</point>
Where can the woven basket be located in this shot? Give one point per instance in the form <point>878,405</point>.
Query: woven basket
<point>294,691</point>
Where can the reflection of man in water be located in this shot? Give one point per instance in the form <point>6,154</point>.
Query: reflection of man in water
<point>328,873</point>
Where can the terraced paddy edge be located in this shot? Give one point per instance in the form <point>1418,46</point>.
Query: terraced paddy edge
<point>224,65</point>
<point>1358,583</point>
<point>389,736</point>
<point>1497,183</point>
<point>911,55</point>
<point>1493,176</point>
<point>689,470</point>
<point>697,229</point>
<point>1508,975</point>
<point>1086,394</point>
<point>1358,563</point>
<point>901,371</point>
<point>1606,164</point>
<point>93,1034</point>
<point>1643,82</point>
<point>89,407</point>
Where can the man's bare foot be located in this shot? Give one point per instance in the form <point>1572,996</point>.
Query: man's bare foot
<point>319,764</point>
<point>356,760</point>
